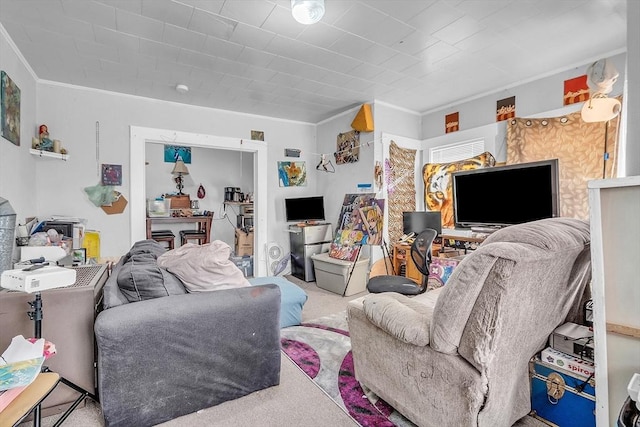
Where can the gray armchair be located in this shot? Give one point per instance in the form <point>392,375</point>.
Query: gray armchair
<point>459,355</point>
<point>165,357</point>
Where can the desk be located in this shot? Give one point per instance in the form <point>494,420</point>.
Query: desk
<point>204,223</point>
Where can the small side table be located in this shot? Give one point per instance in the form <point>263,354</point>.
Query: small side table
<point>29,399</point>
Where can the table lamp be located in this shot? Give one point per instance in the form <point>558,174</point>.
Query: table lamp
<point>179,169</point>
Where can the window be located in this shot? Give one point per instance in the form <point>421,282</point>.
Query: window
<point>458,151</point>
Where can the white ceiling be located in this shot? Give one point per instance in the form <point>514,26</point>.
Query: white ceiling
<point>251,56</point>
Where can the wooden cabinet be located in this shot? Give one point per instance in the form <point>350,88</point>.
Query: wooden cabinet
<point>614,206</point>
<point>403,265</point>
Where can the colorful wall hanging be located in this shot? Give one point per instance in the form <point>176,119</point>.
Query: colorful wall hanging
<point>451,122</point>
<point>576,90</point>
<point>173,152</point>
<point>348,147</point>
<point>9,109</point>
<point>585,151</point>
<point>292,174</point>
<point>506,109</point>
<point>360,223</point>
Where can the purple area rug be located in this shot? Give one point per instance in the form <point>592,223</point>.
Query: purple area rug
<point>322,350</point>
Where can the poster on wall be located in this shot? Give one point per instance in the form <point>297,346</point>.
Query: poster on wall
<point>451,122</point>
<point>576,90</point>
<point>111,174</point>
<point>360,223</point>
<point>348,147</point>
<point>9,109</point>
<point>174,152</point>
<point>292,174</point>
<point>506,109</point>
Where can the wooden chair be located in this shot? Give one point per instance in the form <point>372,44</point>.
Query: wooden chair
<point>166,236</point>
<point>199,236</point>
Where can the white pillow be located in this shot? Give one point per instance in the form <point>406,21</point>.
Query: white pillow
<point>204,267</point>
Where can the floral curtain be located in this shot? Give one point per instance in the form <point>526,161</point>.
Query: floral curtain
<point>585,151</point>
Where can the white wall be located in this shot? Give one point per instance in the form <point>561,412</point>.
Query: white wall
<point>540,95</point>
<point>71,114</point>
<point>633,89</point>
<point>17,182</point>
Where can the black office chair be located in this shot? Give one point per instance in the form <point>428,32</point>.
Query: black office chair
<point>421,257</point>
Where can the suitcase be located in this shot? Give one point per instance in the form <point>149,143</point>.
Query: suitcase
<point>560,397</point>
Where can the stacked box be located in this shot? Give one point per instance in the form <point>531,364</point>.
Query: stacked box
<point>243,243</point>
<point>567,362</point>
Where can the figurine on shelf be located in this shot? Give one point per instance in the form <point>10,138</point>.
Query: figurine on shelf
<point>46,144</point>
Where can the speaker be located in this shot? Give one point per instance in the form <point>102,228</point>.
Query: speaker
<point>277,260</point>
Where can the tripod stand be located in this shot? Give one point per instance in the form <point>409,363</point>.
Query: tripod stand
<point>36,316</point>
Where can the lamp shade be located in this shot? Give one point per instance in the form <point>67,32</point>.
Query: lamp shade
<point>600,109</point>
<point>307,11</point>
<point>180,168</point>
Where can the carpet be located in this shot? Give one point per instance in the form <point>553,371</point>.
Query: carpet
<point>322,350</point>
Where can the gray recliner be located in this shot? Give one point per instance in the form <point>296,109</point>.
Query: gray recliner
<point>459,355</point>
<point>420,256</point>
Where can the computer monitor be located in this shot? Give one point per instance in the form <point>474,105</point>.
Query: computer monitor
<point>415,222</point>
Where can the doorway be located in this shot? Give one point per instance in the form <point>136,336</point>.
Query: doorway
<point>140,136</point>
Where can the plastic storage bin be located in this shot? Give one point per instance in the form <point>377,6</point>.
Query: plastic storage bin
<point>339,276</point>
<point>158,208</point>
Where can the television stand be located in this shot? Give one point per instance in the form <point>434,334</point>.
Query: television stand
<point>486,230</point>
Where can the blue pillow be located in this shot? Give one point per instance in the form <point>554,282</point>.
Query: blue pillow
<point>292,299</point>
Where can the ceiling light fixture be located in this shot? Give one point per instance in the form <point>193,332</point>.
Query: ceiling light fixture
<point>182,88</point>
<point>307,11</point>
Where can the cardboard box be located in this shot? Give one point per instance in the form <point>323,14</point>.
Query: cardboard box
<point>342,277</point>
<point>566,362</point>
<point>244,243</point>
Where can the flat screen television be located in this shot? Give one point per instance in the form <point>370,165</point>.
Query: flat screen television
<point>496,197</point>
<point>304,209</point>
<point>417,221</point>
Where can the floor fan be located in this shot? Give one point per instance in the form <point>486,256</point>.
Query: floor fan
<point>277,259</point>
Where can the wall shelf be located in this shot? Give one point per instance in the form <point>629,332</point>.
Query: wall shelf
<point>50,154</point>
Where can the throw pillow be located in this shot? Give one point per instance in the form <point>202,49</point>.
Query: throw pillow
<point>438,189</point>
<point>140,278</point>
<point>204,267</point>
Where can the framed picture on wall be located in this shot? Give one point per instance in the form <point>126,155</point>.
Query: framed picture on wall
<point>9,109</point>
<point>174,152</point>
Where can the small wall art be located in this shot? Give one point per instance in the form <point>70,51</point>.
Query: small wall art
<point>257,135</point>
<point>452,122</point>
<point>292,174</point>
<point>111,174</point>
<point>576,90</point>
<point>173,152</point>
<point>506,109</point>
<point>348,147</point>
<point>9,109</point>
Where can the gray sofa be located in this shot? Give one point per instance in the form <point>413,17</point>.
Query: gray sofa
<point>459,355</point>
<point>171,353</point>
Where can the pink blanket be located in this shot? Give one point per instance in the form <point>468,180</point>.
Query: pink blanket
<point>203,267</point>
